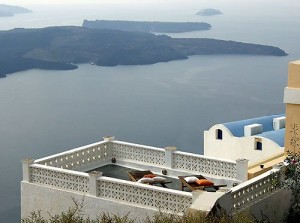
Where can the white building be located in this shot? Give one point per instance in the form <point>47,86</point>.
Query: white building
<point>255,139</point>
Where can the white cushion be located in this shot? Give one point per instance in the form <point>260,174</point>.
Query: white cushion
<point>145,180</point>
<point>191,179</point>
<point>159,179</point>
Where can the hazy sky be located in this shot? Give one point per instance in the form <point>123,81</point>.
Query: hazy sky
<point>128,1</point>
<point>22,2</point>
<point>254,7</point>
<point>107,1</point>
<point>206,2</point>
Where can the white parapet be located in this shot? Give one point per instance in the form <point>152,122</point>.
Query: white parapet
<point>253,190</point>
<point>138,156</point>
<point>59,178</point>
<point>61,172</point>
<point>142,154</point>
<point>83,157</point>
<point>143,195</point>
<point>199,164</point>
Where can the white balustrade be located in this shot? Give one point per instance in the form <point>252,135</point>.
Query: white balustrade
<point>59,178</point>
<point>144,195</point>
<point>78,157</point>
<point>202,164</point>
<point>134,193</point>
<point>252,191</point>
<point>138,153</point>
<point>54,171</point>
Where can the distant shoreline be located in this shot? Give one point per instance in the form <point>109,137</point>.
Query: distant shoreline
<point>149,27</point>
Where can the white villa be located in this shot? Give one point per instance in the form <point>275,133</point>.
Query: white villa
<point>240,155</point>
<point>254,139</point>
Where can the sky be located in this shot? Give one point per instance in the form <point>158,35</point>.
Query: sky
<point>23,2</point>
<point>18,2</point>
<point>269,3</point>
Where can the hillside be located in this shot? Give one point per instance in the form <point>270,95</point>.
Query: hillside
<point>9,10</point>
<point>152,27</point>
<point>209,12</point>
<point>62,47</point>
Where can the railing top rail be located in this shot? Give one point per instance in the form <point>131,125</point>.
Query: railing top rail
<point>146,186</point>
<point>205,157</point>
<point>138,145</point>
<point>60,170</point>
<point>253,180</point>
<point>69,152</point>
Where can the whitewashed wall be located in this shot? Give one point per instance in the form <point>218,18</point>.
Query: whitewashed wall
<point>43,186</point>
<point>231,147</point>
<point>54,201</point>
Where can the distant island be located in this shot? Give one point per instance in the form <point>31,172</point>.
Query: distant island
<point>10,10</point>
<point>209,12</point>
<point>151,27</point>
<point>61,48</point>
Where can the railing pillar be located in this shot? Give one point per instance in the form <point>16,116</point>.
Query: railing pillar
<point>93,176</point>
<point>169,156</point>
<point>242,169</point>
<point>108,138</point>
<point>26,169</point>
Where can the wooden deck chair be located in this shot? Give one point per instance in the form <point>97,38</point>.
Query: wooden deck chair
<point>194,186</point>
<point>138,174</point>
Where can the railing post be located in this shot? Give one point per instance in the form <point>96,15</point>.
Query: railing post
<point>26,169</point>
<point>93,190</point>
<point>169,156</point>
<point>108,138</point>
<point>242,169</point>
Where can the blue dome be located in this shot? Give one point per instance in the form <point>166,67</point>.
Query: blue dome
<point>237,127</point>
<point>276,136</point>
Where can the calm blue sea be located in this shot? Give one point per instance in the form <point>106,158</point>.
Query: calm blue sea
<point>164,104</point>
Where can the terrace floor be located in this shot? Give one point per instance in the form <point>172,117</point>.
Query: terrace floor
<point>120,172</point>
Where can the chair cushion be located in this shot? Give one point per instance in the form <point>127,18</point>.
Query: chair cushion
<point>145,180</point>
<point>204,182</point>
<point>149,175</point>
<point>191,179</point>
<point>159,179</point>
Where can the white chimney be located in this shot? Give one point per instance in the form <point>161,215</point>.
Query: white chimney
<point>279,123</point>
<point>253,129</point>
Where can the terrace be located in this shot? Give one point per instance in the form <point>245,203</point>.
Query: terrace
<point>99,170</point>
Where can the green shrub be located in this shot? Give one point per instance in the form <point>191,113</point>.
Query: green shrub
<point>74,215</point>
<point>289,178</point>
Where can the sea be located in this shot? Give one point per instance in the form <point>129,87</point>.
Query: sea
<point>44,112</point>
